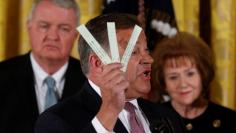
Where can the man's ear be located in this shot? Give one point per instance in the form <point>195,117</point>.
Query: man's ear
<point>29,24</point>
<point>95,62</point>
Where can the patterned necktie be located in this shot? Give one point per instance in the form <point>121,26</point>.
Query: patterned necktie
<point>135,123</point>
<point>51,96</point>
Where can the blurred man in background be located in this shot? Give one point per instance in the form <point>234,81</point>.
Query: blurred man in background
<point>47,74</point>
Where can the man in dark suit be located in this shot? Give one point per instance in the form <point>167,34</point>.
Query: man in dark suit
<point>51,26</point>
<point>147,11</point>
<point>102,104</point>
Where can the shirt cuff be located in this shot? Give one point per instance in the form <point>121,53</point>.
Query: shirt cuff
<point>99,127</point>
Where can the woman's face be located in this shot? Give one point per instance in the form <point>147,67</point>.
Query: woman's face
<point>183,82</point>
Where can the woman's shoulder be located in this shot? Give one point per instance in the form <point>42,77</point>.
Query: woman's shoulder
<point>219,109</point>
<point>221,117</point>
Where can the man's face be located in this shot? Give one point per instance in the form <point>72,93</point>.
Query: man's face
<point>139,65</point>
<point>52,32</point>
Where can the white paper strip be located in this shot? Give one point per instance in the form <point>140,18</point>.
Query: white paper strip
<point>96,47</point>
<point>111,29</point>
<point>130,47</point>
<point>94,44</point>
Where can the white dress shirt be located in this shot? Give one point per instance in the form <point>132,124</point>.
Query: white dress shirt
<point>41,87</point>
<point>123,116</point>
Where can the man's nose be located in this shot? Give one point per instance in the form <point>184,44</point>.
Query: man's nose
<point>52,33</point>
<point>147,59</point>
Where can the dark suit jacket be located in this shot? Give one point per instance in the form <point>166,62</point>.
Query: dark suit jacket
<point>215,119</point>
<point>75,114</point>
<point>19,109</point>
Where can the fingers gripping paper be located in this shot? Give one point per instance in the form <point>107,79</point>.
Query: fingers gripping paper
<point>96,47</point>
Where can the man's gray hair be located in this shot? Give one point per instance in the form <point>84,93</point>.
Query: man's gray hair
<point>61,3</point>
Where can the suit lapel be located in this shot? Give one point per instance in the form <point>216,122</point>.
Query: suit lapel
<point>119,127</point>
<point>92,101</point>
<point>74,78</point>
<point>26,89</point>
<point>93,104</point>
<point>149,111</point>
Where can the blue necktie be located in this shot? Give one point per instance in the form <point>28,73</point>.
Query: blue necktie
<point>51,96</point>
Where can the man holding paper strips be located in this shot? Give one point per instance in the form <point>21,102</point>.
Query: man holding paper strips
<point>113,90</point>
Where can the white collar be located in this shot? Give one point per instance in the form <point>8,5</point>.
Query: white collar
<point>40,74</point>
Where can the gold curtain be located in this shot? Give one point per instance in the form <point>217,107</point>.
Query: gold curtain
<point>224,47</point>
<point>10,28</point>
<point>89,9</point>
<point>223,28</point>
<point>187,12</point>
<point>25,6</point>
<point>2,28</point>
